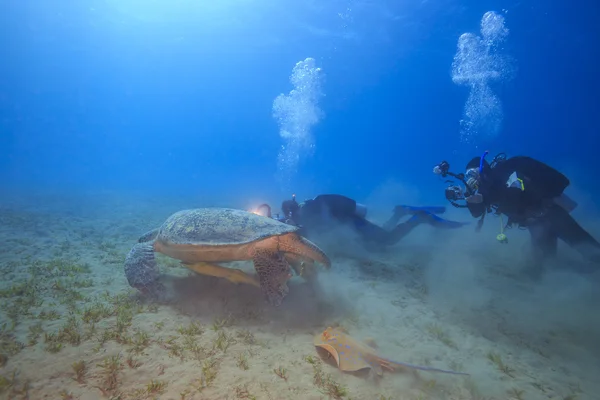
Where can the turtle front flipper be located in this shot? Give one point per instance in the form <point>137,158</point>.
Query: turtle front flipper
<point>273,273</point>
<point>141,270</point>
<point>231,274</point>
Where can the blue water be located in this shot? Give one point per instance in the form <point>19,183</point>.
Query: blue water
<point>121,112</point>
<point>177,96</point>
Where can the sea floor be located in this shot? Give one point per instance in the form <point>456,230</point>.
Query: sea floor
<point>72,328</point>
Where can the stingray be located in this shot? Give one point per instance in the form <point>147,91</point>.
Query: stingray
<point>351,355</point>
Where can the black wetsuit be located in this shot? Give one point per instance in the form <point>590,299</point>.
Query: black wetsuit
<point>531,205</point>
<point>324,211</point>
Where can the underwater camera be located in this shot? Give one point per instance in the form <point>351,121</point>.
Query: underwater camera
<point>453,192</point>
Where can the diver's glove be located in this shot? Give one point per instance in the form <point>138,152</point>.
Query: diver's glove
<point>476,198</point>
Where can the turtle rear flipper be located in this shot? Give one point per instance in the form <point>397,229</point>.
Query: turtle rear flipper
<point>273,273</point>
<point>141,270</point>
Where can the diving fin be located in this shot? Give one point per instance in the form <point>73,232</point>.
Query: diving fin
<point>403,210</point>
<point>427,209</point>
<point>435,221</point>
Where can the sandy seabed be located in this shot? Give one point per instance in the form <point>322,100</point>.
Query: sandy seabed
<point>71,328</point>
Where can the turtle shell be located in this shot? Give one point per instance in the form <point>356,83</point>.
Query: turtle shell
<point>219,226</point>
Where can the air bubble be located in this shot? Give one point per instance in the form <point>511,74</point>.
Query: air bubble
<point>296,113</point>
<point>478,61</point>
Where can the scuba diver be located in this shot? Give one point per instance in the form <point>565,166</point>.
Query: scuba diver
<point>325,211</point>
<point>530,194</point>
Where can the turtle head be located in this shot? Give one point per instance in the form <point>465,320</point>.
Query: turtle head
<point>149,236</point>
<point>142,272</point>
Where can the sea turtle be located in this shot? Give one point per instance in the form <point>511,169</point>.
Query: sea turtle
<point>202,237</point>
